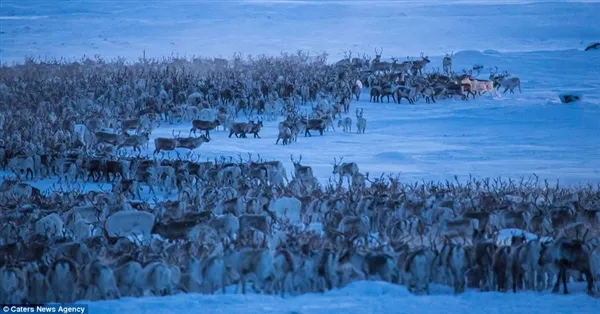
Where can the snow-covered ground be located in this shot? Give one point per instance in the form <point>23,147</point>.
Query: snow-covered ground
<point>111,28</point>
<point>529,132</point>
<point>361,297</point>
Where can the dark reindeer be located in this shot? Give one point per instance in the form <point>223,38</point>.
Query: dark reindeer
<point>205,126</point>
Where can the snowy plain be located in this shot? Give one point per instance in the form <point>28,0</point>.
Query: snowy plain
<point>513,135</point>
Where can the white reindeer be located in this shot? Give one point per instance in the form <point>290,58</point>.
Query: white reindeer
<point>345,124</point>
<point>99,282</point>
<point>157,278</point>
<point>287,209</point>
<point>361,123</point>
<point>50,226</point>
<point>126,276</point>
<point>13,285</point>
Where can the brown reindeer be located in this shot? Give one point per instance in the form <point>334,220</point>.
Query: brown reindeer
<point>346,169</point>
<point>205,126</point>
<point>299,170</point>
<point>417,66</point>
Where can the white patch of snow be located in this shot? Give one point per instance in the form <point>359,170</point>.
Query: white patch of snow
<point>360,297</point>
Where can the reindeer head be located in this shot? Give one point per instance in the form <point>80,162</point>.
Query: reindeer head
<point>203,139</point>
<point>348,55</point>
<point>359,113</point>
<point>176,136</point>
<point>493,72</point>
<point>377,55</point>
<point>337,166</point>
<point>296,163</point>
<point>366,59</point>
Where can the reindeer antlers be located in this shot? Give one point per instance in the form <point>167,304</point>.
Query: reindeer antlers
<point>295,162</point>
<point>336,163</point>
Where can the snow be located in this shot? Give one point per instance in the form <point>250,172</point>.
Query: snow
<point>360,297</point>
<point>514,135</point>
<point>212,28</point>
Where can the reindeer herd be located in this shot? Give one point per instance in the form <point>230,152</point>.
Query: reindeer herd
<point>406,80</point>
<point>239,221</point>
<point>105,107</point>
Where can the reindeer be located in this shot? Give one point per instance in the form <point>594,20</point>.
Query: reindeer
<point>107,137</point>
<point>501,81</point>
<point>417,266</point>
<point>163,143</point>
<point>255,128</point>
<point>346,61</point>
<point>502,262</point>
<point>567,254</point>
<point>99,282</point>
<point>481,86</point>
<point>126,275</point>
<point>483,259</point>
<point>135,141</point>
<point>346,169</point>
<point>403,92</point>
<point>13,286</point>
<point>130,124</point>
<point>458,228</point>
<point>417,66</point>
<point>300,171</point>
<point>403,67</point>
<point>375,94</point>
<point>204,126</point>
<point>314,124</point>
<point>22,165</point>
<point>284,268</point>
<point>256,262</point>
<point>361,123</point>
<point>175,113</point>
<point>206,275</point>
<point>345,124</point>
<point>356,91</point>
<point>158,278</point>
<point>129,186</point>
<point>64,278</point>
<point>378,65</point>
<point>355,226</point>
<point>454,260</point>
<point>447,63</point>
<point>50,226</point>
<point>285,134</point>
<point>240,129</point>
<point>191,143</point>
